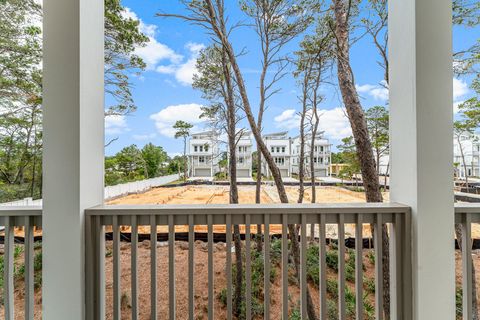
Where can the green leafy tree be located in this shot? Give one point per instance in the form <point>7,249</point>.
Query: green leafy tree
<point>182,131</point>
<point>378,129</point>
<point>20,55</point>
<point>21,91</point>
<point>176,165</point>
<point>154,157</point>
<point>131,163</point>
<point>122,37</point>
<point>349,156</point>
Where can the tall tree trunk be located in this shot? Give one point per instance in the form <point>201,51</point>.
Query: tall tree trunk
<point>232,144</point>
<point>258,190</point>
<point>218,27</point>
<point>315,119</point>
<point>315,123</point>
<point>34,164</point>
<point>261,110</point>
<point>386,175</point>
<point>358,123</point>
<point>301,158</point>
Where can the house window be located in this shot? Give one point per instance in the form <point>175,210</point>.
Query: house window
<point>283,149</point>
<point>278,149</point>
<point>315,160</point>
<point>195,148</point>
<point>240,160</point>
<point>201,159</point>
<point>272,149</point>
<point>321,149</point>
<point>316,148</point>
<point>206,148</point>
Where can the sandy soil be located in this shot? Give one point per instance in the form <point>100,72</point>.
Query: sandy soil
<point>219,194</point>
<point>200,282</point>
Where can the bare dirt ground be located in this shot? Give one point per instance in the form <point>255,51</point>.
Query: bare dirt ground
<point>200,282</point>
<point>219,195</point>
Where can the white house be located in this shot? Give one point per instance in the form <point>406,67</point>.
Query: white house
<point>322,155</point>
<point>203,155</point>
<point>280,148</point>
<point>244,155</point>
<point>468,145</point>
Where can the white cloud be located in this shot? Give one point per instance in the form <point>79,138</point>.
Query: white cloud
<point>285,115</point>
<point>288,119</point>
<point>184,71</point>
<point>153,52</point>
<point>333,121</point>
<point>377,92</point>
<point>166,69</point>
<point>115,124</point>
<point>143,137</point>
<point>166,118</point>
<point>460,88</point>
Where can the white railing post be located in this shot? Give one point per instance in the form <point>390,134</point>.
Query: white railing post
<point>73,153</point>
<point>420,49</point>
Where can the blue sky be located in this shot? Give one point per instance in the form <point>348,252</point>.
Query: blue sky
<point>163,92</point>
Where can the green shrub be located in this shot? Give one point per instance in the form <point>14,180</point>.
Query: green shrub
<point>313,267</point>
<point>37,261</point>
<point>369,285</point>
<point>295,314</point>
<point>459,302</point>
<point>332,310</point>
<point>371,257</point>
<point>17,251</point>
<point>332,259</point>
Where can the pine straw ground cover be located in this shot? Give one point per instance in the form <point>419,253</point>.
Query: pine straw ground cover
<point>201,282</point>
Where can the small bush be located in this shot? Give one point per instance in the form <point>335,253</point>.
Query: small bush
<point>371,257</point>
<point>37,261</point>
<point>369,285</point>
<point>332,310</point>
<point>459,302</point>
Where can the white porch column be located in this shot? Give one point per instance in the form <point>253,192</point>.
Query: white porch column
<point>73,147</point>
<point>422,145</point>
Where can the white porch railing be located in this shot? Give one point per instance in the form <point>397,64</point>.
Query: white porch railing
<point>395,216</point>
<point>27,218</point>
<point>465,216</point>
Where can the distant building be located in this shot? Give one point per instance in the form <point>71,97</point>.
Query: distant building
<point>279,146</point>
<point>203,155</point>
<point>470,146</point>
<point>321,159</point>
<point>244,155</point>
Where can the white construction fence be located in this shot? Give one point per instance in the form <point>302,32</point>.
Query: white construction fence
<point>111,191</point>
